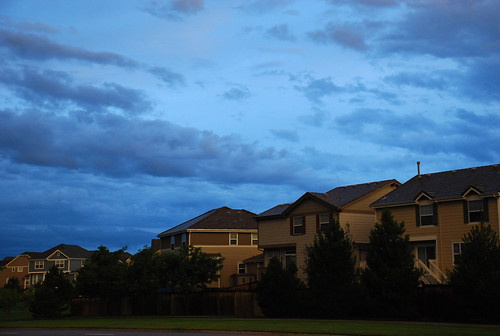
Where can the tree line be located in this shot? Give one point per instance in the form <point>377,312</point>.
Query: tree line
<point>387,287</point>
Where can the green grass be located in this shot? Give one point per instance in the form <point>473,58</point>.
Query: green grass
<point>20,318</point>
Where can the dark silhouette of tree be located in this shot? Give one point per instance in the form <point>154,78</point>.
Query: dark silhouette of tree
<point>143,272</point>
<point>277,290</point>
<point>476,275</point>
<point>13,283</point>
<point>331,275</point>
<point>53,295</point>
<point>391,279</point>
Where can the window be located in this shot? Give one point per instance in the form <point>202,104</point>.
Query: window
<point>233,239</point>
<point>59,263</point>
<point>242,269</point>
<point>273,254</point>
<point>255,239</point>
<point>19,268</point>
<point>172,243</point>
<point>298,225</point>
<point>290,256</point>
<point>26,283</point>
<point>475,211</point>
<point>38,264</point>
<point>426,215</point>
<point>184,239</point>
<point>457,250</point>
<point>13,269</point>
<point>37,278</point>
<point>323,221</point>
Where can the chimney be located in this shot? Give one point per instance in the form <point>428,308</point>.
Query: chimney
<point>418,168</point>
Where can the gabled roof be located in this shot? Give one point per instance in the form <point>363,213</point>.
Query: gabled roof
<point>447,185</point>
<point>5,261</point>
<point>222,218</point>
<point>71,251</point>
<point>336,198</point>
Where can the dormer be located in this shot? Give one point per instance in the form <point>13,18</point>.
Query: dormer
<point>426,210</point>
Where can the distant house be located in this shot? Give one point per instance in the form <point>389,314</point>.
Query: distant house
<point>68,258</point>
<point>222,232</point>
<point>285,230</point>
<point>439,208</point>
<point>15,267</point>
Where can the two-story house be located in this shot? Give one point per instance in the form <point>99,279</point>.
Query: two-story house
<point>222,232</point>
<point>287,229</point>
<point>438,209</point>
<point>15,267</point>
<point>68,258</point>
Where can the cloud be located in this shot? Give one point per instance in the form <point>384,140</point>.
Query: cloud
<point>53,88</point>
<point>288,135</point>
<point>281,32</point>
<point>344,36</point>
<point>371,3</point>
<point>317,119</point>
<point>236,93</point>
<point>264,6</point>
<point>456,134</point>
<point>175,9</point>
<point>316,89</point>
<point>36,47</point>
<point>172,79</point>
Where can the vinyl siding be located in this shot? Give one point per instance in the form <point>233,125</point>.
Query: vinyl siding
<point>209,238</point>
<point>360,225</point>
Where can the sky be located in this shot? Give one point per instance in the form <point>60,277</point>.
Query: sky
<point>121,119</point>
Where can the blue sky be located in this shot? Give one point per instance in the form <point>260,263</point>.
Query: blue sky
<point>119,120</point>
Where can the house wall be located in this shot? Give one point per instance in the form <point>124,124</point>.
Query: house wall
<point>20,265</point>
<point>450,229</point>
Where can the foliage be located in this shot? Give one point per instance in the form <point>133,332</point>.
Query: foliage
<point>188,269</point>
<point>391,278</point>
<point>103,275</point>
<point>277,290</point>
<point>53,295</point>
<point>331,274</point>
<point>9,297</point>
<point>142,274</point>
<point>13,283</point>
<point>476,275</point>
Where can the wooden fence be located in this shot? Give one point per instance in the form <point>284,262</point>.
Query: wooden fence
<point>214,303</point>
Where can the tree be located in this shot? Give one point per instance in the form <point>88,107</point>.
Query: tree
<point>476,275</point>
<point>53,295</point>
<point>13,283</point>
<point>331,275</point>
<point>103,275</point>
<point>8,298</point>
<point>143,272</point>
<point>391,278</point>
<point>188,270</point>
<point>277,290</point>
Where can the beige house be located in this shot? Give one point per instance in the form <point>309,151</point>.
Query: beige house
<point>223,232</point>
<point>285,230</point>
<point>439,209</point>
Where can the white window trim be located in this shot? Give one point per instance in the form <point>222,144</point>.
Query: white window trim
<point>256,240</point>
<point>461,243</point>
<point>302,220</point>
<point>231,239</point>
<point>59,261</point>
<point>480,201</point>
<point>39,264</point>
<point>244,268</point>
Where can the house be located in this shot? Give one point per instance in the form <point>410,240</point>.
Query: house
<point>68,258</point>
<point>287,229</point>
<point>438,209</point>
<point>16,267</point>
<point>223,232</point>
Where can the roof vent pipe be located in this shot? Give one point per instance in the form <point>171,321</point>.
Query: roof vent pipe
<point>418,168</point>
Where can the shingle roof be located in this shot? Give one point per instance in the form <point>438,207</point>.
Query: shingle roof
<point>222,218</point>
<point>6,260</point>
<point>445,185</point>
<point>72,251</point>
<point>337,197</point>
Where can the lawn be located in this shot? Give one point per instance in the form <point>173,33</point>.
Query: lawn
<point>22,319</point>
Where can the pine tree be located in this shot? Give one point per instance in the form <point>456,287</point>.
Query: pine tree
<point>391,279</point>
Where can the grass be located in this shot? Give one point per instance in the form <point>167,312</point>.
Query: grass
<point>21,318</point>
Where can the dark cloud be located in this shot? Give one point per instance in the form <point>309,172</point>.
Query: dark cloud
<point>175,9</point>
<point>432,81</point>
<point>288,135</point>
<point>372,3</point>
<point>53,88</point>
<point>345,36</point>
<point>281,32</point>
<point>316,89</point>
<point>236,93</point>
<point>172,79</point>
<point>37,47</point>
<point>421,134</point>
<point>317,119</point>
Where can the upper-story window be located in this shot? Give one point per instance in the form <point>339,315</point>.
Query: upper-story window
<point>426,214</point>
<point>255,239</point>
<point>184,239</point>
<point>457,250</point>
<point>242,269</point>
<point>476,211</point>
<point>59,263</point>
<point>172,243</point>
<point>19,268</point>
<point>323,221</point>
<point>297,225</point>
<point>233,239</point>
<point>38,264</point>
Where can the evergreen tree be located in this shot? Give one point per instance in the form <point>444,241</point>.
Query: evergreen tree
<point>277,290</point>
<point>476,275</point>
<point>330,270</point>
<point>53,295</point>
<point>391,279</point>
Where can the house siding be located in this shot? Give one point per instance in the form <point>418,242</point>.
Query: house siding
<point>7,272</point>
<point>209,238</point>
